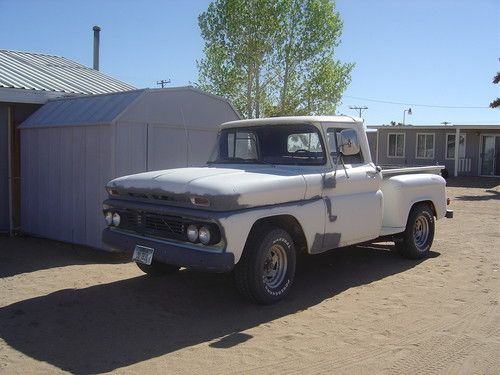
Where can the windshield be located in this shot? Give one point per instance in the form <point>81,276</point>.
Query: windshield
<point>277,144</point>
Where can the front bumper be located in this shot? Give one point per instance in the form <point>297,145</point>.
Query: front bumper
<point>170,253</point>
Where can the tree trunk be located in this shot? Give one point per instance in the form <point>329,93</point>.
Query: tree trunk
<point>249,93</point>
<point>286,75</point>
<point>257,92</point>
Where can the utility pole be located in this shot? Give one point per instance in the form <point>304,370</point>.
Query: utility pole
<point>360,109</point>
<point>163,83</point>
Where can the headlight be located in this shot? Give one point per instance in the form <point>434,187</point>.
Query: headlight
<point>109,218</point>
<point>204,235</point>
<point>116,220</point>
<point>192,233</point>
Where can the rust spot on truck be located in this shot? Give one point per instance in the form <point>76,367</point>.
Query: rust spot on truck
<point>329,182</point>
<point>325,241</point>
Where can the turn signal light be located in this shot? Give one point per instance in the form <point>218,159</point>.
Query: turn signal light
<point>112,191</point>
<point>200,201</point>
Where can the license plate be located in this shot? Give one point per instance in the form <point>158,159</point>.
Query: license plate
<point>143,254</point>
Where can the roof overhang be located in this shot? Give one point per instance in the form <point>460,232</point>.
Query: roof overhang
<point>11,95</point>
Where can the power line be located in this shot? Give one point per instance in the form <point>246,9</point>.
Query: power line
<point>163,83</point>
<point>413,104</point>
<point>360,109</point>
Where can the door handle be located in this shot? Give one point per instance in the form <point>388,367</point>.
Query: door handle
<point>375,172</point>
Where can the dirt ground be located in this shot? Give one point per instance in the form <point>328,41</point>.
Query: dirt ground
<point>357,310</point>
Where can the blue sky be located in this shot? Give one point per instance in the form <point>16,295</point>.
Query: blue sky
<point>424,53</point>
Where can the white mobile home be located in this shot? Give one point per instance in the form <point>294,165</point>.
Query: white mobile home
<point>466,150</point>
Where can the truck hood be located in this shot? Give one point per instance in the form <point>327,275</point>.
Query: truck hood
<point>225,188</point>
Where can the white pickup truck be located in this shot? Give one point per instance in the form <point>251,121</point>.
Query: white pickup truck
<point>272,188</point>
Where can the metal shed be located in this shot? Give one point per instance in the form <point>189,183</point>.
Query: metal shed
<point>71,147</point>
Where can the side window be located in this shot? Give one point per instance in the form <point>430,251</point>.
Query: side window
<point>425,146</point>
<point>396,145</point>
<point>450,146</point>
<point>304,141</point>
<point>333,139</point>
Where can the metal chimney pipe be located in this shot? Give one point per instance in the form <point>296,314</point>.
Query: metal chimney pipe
<point>97,30</point>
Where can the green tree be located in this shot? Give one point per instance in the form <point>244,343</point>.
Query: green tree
<point>496,103</point>
<point>273,57</point>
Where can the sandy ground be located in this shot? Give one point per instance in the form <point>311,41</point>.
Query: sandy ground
<point>356,310</point>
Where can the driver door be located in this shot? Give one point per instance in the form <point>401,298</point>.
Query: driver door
<point>352,197</point>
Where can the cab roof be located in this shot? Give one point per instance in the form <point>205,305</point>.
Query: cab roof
<point>290,120</point>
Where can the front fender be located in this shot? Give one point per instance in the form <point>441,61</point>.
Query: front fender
<point>310,214</point>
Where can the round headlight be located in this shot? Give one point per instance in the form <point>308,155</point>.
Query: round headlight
<point>116,220</point>
<point>205,235</point>
<point>192,233</point>
<point>109,218</point>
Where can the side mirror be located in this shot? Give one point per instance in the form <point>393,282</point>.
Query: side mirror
<point>349,144</point>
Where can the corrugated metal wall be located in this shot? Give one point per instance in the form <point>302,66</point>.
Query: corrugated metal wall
<point>4,187</point>
<point>64,171</point>
<point>130,149</point>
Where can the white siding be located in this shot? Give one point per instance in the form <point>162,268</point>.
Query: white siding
<point>64,171</point>
<point>130,149</point>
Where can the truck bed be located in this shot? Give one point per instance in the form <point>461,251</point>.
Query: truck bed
<point>433,169</point>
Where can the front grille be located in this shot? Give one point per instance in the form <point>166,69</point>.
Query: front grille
<point>162,223</point>
<point>148,223</point>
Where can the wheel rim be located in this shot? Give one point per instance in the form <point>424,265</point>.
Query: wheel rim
<point>275,266</point>
<point>421,231</point>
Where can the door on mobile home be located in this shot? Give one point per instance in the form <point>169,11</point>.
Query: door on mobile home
<point>490,155</point>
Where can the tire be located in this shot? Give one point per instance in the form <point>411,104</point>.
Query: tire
<point>157,268</point>
<point>419,233</point>
<point>266,270</point>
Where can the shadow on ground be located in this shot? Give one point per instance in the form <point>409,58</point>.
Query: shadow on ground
<point>491,195</point>
<point>29,254</point>
<point>109,326</point>
<point>473,182</point>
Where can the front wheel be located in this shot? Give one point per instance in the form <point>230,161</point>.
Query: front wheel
<point>419,234</point>
<point>266,270</point>
<point>157,268</point>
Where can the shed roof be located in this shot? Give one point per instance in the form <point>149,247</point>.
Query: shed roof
<point>171,106</point>
<point>82,110</point>
<point>41,72</point>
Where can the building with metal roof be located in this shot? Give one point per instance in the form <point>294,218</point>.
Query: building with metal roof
<point>27,81</point>
<point>47,76</point>
<point>71,147</point>
<point>466,150</point>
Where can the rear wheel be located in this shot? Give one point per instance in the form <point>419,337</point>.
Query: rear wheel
<point>157,268</point>
<point>266,270</point>
<point>419,234</point>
